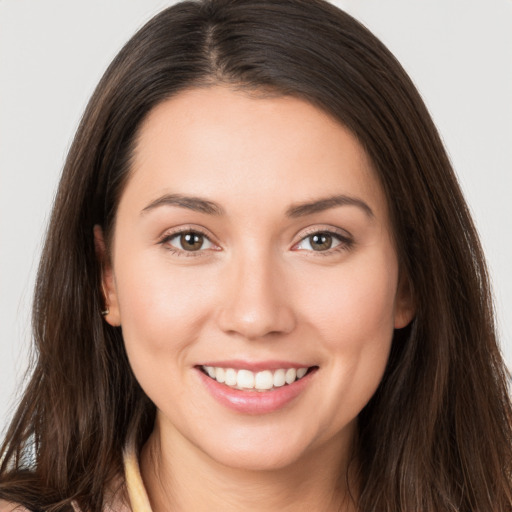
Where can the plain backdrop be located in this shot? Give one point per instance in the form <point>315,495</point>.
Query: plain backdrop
<point>53,52</point>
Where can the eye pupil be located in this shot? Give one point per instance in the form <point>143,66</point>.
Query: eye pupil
<point>321,241</point>
<point>191,241</point>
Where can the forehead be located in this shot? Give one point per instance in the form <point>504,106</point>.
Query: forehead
<point>225,144</point>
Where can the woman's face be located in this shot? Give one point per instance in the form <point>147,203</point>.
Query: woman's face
<point>252,244</point>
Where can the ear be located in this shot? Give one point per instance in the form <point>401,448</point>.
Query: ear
<point>107,284</point>
<point>405,305</point>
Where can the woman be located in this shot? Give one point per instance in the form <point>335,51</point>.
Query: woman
<point>261,287</point>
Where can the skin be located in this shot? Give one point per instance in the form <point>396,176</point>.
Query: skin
<point>256,290</point>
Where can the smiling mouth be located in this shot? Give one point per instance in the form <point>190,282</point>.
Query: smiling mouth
<point>247,380</point>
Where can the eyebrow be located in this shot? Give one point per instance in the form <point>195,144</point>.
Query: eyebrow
<point>196,204</point>
<point>297,210</point>
<point>320,205</point>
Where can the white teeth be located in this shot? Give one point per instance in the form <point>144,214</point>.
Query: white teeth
<point>245,379</point>
<point>291,375</point>
<point>279,378</point>
<point>231,377</point>
<point>220,374</point>
<point>264,380</point>
<point>301,372</point>
<point>259,381</point>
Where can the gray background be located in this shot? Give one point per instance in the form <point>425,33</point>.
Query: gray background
<point>52,54</point>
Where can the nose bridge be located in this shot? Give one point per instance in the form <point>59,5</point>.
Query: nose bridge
<point>255,303</point>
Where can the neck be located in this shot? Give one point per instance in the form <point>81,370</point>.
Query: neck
<point>179,477</point>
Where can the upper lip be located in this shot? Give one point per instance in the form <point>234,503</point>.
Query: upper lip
<point>255,366</point>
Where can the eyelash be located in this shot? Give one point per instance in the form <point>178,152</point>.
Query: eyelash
<point>165,242</point>
<point>346,242</point>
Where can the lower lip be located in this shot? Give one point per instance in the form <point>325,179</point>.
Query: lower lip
<point>255,402</point>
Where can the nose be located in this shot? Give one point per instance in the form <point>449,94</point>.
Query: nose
<point>256,303</point>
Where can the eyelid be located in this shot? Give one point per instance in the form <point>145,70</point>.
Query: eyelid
<point>323,228</point>
<point>189,228</point>
<point>346,239</point>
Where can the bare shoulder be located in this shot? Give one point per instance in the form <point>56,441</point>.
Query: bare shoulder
<point>8,506</point>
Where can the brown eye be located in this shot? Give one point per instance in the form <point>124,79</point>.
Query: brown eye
<point>187,242</point>
<point>324,241</point>
<point>191,241</point>
<point>320,241</point>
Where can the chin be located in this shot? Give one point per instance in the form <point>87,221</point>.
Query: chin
<point>272,449</point>
<point>250,459</point>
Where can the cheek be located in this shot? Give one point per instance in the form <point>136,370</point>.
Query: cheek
<point>355,326</point>
<point>163,310</point>
<point>161,306</point>
<point>356,300</point>
<point>353,313</point>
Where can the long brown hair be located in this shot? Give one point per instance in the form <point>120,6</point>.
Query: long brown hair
<point>437,434</point>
